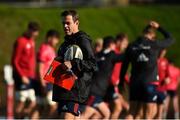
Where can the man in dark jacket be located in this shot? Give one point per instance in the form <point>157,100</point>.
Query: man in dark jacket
<point>69,101</point>
<point>143,54</point>
<point>101,80</point>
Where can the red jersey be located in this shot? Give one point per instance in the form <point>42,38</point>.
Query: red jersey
<point>162,72</point>
<point>115,79</point>
<point>46,54</point>
<point>116,71</point>
<point>174,75</point>
<point>23,59</point>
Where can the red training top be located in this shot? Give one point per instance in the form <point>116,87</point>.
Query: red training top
<point>46,54</point>
<point>23,59</point>
<point>162,71</point>
<point>174,75</point>
<point>116,71</point>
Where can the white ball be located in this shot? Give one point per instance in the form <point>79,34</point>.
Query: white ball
<point>72,52</point>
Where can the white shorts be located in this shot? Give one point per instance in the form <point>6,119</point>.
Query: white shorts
<point>24,95</point>
<point>46,100</point>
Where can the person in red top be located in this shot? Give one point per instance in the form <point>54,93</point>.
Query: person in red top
<point>172,87</point>
<point>116,100</point>
<point>161,89</point>
<point>45,56</point>
<point>23,62</point>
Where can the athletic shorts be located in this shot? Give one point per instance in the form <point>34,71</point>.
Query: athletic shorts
<point>150,93</point>
<point>23,95</point>
<point>171,93</point>
<point>146,93</point>
<point>111,94</point>
<point>94,100</point>
<point>19,85</point>
<point>135,92</point>
<point>70,107</point>
<point>161,97</point>
<point>41,92</point>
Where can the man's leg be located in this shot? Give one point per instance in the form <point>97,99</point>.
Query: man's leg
<point>176,106</point>
<point>51,105</point>
<point>104,110</point>
<point>160,105</point>
<point>19,109</point>
<point>125,104</point>
<point>116,107</point>
<point>133,110</point>
<point>21,98</point>
<point>150,110</point>
<point>160,108</point>
<point>69,116</point>
<point>150,100</point>
<point>166,106</point>
<point>32,105</point>
<point>89,113</point>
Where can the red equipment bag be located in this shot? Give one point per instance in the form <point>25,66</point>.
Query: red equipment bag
<point>58,74</point>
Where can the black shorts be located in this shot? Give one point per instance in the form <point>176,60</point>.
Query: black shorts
<point>111,94</point>
<point>39,90</point>
<point>94,100</point>
<point>70,107</point>
<point>146,93</point>
<point>171,93</point>
<point>161,97</point>
<point>19,85</point>
<point>135,92</point>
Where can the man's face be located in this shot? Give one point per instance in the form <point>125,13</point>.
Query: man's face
<point>53,41</point>
<point>152,36</point>
<point>69,25</point>
<point>124,44</point>
<point>112,46</point>
<point>35,34</point>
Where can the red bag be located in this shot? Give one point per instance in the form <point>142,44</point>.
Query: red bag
<point>58,74</point>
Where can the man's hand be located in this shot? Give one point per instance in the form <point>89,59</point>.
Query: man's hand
<point>68,64</point>
<point>167,81</point>
<point>43,84</point>
<point>25,80</point>
<point>154,24</point>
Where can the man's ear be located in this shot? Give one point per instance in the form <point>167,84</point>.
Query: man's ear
<point>77,22</point>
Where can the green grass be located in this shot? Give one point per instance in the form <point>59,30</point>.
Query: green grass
<point>97,22</point>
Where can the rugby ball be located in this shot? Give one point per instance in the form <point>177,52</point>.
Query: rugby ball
<point>72,52</point>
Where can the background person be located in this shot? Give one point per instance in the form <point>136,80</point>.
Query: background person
<point>24,64</point>
<point>45,56</point>
<point>143,54</point>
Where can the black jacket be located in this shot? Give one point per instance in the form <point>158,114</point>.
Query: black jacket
<point>143,55</point>
<point>101,78</point>
<point>82,68</point>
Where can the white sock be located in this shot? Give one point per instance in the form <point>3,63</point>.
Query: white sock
<point>176,115</point>
<point>164,115</point>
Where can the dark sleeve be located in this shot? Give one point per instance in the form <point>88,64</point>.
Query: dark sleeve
<point>168,40</point>
<point>124,67</point>
<point>117,57</point>
<point>88,63</point>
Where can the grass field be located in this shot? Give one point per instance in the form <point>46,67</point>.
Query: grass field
<point>97,22</point>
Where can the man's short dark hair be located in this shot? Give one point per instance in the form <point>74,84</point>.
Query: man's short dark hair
<point>73,13</point>
<point>33,26</point>
<point>107,41</point>
<point>148,30</point>
<point>120,37</point>
<point>52,33</point>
